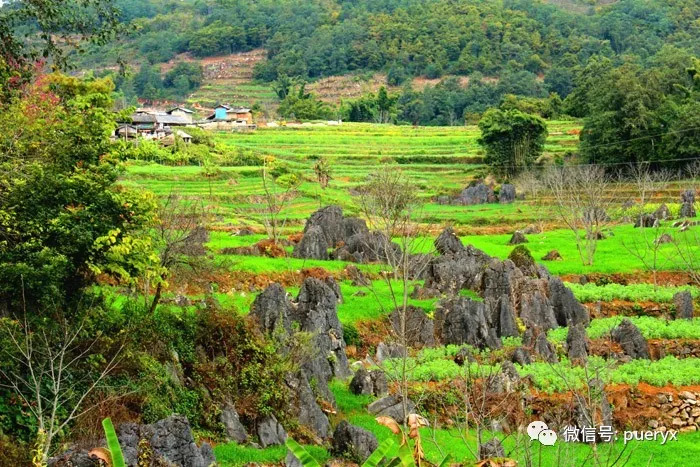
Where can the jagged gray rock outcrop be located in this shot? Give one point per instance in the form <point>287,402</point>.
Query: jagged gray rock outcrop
<point>272,308</point>
<point>270,432</point>
<point>577,343</point>
<point>313,245</point>
<point>521,357</point>
<point>566,308</point>
<point>545,349</point>
<point>315,312</point>
<point>461,320</point>
<point>414,325</point>
<point>683,302</point>
<point>392,406</point>
<point>330,221</point>
<point>630,339</point>
<point>476,194</point>
<point>233,428</point>
<point>390,350</point>
<point>491,449</point>
<point>170,440</point>
<point>688,204</point>
<point>452,272</point>
<point>369,382</point>
<point>353,443</point>
<point>517,238</point>
<point>506,194</point>
<point>447,242</point>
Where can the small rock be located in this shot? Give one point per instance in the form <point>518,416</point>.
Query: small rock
<point>631,340</point>
<point>517,238</point>
<point>353,442</point>
<point>392,406</point>
<point>491,449</point>
<point>270,432</point>
<point>663,239</point>
<point>233,428</point>
<point>553,255</point>
<point>684,304</point>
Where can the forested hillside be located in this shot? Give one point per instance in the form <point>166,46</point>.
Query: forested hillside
<point>405,38</point>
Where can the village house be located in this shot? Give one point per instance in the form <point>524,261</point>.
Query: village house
<point>237,115</point>
<point>156,125</point>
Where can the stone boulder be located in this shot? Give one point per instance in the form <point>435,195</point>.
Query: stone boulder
<point>552,255</point>
<point>447,242</point>
<point>419,330</point>
<point>536,310</point>
<point>545,349</point>
<point>353,226</point>
<point>461,320</point>
<point>631,340</point>
<point>662,213</point>
<point>507,194</point>
<point>316,312</point>
<point>392,406</point>
<point>663,239</point>
<point>688,204</point>
<point>353,443</point>
<point>646,221</point>
<point>476,194</point>
<point>521,357</point>
<point>491,449</point>
<point>233,428</point>
<point>313,245</point>
<point>270,432</point>
<point>501,316</point>
<point>577,343</point>
<point>369,383</point>
<point>517,238</point>
<point>272,308</point>
<point>566,308</point>
<point>304,406</point>
<point>523,260</point>
<point>683,302</point>
<point>390,350</point>
<point>452,272</point>
<point>330,221</point>
<point>368,247</point>
<point>356,277</point>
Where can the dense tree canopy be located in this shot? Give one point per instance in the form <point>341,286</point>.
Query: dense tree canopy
<point>513,139</point>
<point>62,219</point>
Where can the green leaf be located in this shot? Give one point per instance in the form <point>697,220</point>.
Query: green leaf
<point>115,450</point>
<point>446,461</point>
<point>406,456</point>
<point>301,454</point>
<point>379,453</point>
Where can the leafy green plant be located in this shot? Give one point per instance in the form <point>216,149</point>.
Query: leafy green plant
<point>115,449</point>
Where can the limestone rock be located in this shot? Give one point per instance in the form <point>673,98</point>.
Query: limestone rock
<point>353,442</point>
<point>577,343</point>
<point>329,220</point>
<point>270,432</point>
<point>463,321</point>
<point>631,340</point>
<point>552,255</point>
<point>447,242</point>
<point>545,349</point>
<point>233,428</point>
<point>491,449</point>
<point>566,308</point>
<point>477,194</point>
<point>272,309</point>
<point>688,204</point>
<point>517,238</point>
<point>419,329</point>
<point>392,406</point>
<point>507,194</point>
<point>683,302</point>
<point>313,245</point>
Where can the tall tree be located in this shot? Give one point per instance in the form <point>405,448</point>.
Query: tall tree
<point>513,139</point>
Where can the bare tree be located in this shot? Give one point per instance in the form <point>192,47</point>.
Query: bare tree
<point>389,202</point>
<point>582,196</point>
<point>276,197</point>
<point>43,368</point>
<point>648,242</point>
<point>687,252</point>
<point>532,186</point>
<point>178,235</point>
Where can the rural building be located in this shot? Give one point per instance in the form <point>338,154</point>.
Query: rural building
<point>156,125</point>
<point>238,115</point>
<point>182,112</point>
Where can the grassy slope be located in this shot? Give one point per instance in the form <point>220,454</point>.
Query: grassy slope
<point>685,451</point>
